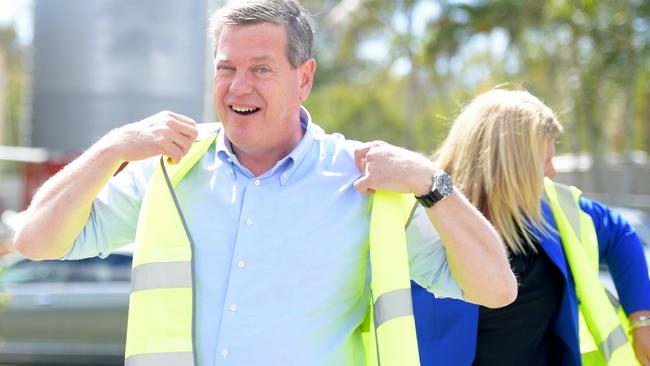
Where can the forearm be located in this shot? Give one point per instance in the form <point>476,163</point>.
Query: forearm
<point>61,207</point>
<point>476,256</point>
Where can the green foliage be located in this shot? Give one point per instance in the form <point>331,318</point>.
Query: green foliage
<point>12,90</point>
<point>12,54</point>
<point>362,114</point>
<point>588,60</point>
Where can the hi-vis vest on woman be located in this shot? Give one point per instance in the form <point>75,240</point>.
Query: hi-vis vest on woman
<point>602,322</point>
<point>161,326</point>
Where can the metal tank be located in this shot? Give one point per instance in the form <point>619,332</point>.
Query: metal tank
<point>103,63</point>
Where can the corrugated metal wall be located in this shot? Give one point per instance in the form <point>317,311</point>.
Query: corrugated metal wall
<point>102,63</point>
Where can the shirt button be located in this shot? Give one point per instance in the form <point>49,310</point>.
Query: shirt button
<point>241,264</point>
<point>233,308</point>
<point>224,352</point>
<point>256,182</point>
<point>229,160</point>
<point>249,222</point>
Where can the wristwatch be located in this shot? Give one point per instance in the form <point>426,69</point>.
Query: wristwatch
<point>441,188</point>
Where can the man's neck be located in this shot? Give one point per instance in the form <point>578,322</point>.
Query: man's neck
<point>258,164</point>
<point>260,161</point>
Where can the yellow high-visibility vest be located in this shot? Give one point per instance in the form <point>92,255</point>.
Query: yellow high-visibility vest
<point>161,325</point>
<point>602,323</point>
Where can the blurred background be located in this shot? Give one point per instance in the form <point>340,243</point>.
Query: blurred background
<point>71,70</point>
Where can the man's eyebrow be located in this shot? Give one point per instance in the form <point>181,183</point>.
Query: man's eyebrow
<point>257,59</point>
<point>263,58</point>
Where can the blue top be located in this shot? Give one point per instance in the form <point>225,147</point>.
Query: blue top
<point>447,328</point>
<point>282,273</point>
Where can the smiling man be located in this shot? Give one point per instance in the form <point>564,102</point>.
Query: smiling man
<point>257,90</point>
<point>253,248</point>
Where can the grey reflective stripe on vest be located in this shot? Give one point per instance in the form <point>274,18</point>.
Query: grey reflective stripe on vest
<point>162,275</point>
<point>392,305</point>
<point>170,187</point>
<point>161,359</point>
<point>612,299</point>
<point>570,208</point>
<point>616,339</point>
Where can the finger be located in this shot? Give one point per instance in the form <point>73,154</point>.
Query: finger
<point>363,185</point>
<point>360,156</point>
<point>184,142</point>
<point>185,119</point>
<point>188,130</point>
<point>173,152</point>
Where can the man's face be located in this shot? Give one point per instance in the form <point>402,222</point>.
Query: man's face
<point>257,93</point>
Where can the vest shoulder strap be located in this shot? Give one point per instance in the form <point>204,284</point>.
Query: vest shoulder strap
<point>564,203</point>
<point>391,338</point>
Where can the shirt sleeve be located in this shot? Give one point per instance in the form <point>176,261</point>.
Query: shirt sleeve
<point>427,257</point>
<point>113,218</point>
<point>622,251</point>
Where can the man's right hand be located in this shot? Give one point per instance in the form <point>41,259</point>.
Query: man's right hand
<point>60,208</point>
<point>165,133</point>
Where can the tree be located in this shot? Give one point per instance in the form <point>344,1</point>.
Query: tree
<point>13,85</point>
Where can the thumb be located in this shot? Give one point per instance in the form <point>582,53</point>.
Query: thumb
<point>363,185</point>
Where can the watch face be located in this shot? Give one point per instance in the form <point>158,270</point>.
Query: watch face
<point>444,185</point>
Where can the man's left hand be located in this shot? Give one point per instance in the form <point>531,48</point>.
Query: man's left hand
<point>391,168</point>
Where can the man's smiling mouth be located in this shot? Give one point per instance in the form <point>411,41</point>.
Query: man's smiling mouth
<point>244,110</point>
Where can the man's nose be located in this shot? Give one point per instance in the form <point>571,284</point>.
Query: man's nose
<point>241,84</point>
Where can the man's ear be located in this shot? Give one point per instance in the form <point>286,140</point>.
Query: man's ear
<point>306,77</point>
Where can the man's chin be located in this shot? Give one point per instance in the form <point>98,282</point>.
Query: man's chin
<point>238,136</point>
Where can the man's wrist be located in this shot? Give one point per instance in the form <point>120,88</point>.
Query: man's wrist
<point>425,186</point>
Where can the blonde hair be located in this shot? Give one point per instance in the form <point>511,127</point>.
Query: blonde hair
<point>495,153</point>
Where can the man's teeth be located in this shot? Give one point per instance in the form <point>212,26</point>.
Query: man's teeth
<point>243,109</point>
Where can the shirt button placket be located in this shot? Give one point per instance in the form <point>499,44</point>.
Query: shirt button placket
<point>240,264</point>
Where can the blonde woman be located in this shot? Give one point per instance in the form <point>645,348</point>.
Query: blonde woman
<point>498,150</point>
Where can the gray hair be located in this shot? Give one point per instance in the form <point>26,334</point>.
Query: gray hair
<point>289,13</point>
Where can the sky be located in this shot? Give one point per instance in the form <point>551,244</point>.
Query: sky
<point>18,12</point>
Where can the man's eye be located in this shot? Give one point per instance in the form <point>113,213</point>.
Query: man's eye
<point>263,70</point>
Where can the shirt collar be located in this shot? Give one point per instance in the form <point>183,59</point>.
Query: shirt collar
<point>285,166</point>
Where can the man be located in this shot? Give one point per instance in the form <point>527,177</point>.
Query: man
<point>276,211</point>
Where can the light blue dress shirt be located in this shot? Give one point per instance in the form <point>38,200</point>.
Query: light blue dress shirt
<point>281,259</point>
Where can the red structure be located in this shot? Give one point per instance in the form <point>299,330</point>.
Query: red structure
<point>35,174</point>
<point>37,166</point>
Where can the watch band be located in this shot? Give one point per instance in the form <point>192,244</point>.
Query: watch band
<point>430,199</point>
